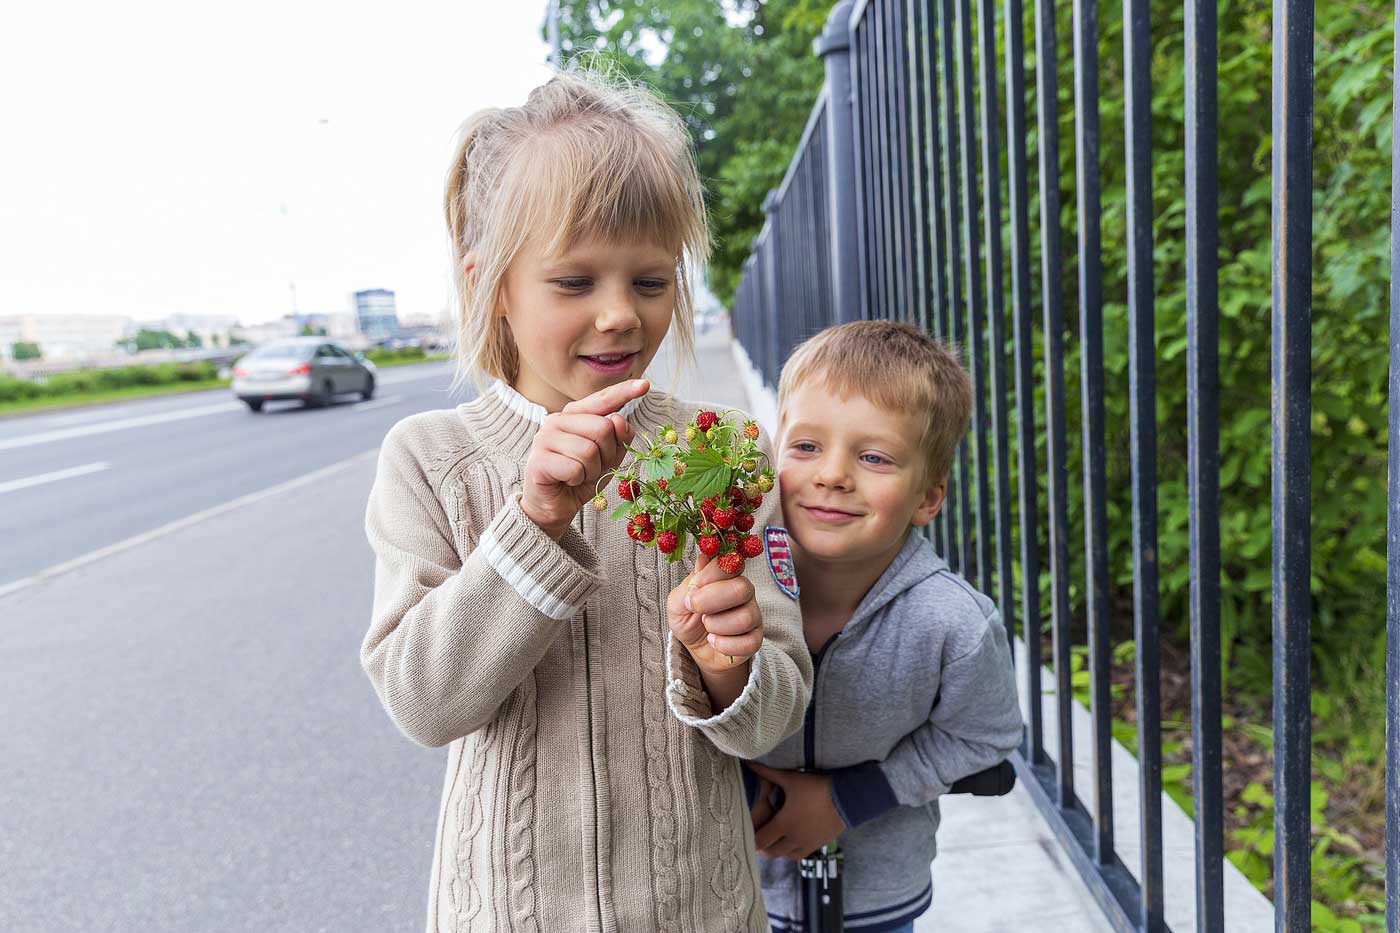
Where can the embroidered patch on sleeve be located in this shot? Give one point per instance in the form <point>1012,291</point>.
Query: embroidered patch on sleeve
<point>775,541</point>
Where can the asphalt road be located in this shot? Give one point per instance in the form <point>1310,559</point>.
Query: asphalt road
<point>189,743</point>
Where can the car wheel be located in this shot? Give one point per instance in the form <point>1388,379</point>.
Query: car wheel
<point>323,398</point>
<point>368,392</point>
<point>254,403</point>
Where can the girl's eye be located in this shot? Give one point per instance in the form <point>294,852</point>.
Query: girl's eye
<point>651,286</point>
<point>573,285</point>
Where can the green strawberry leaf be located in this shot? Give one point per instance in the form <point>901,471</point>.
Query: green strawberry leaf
<point>706,474</point>
<point>621,510</point>
<point>662,466</point>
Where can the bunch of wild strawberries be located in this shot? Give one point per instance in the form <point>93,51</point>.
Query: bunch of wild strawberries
<point>707,490</point>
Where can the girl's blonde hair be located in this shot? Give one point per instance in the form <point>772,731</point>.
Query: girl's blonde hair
<point>587,156</point>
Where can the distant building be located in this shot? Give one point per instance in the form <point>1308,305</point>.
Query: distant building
<point>62,336</point>
<point>377,314</point>
<point>285,326</point>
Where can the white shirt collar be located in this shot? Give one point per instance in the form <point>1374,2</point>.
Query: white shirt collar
<point>537,413</point>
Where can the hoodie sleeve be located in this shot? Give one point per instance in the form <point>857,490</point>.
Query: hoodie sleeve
<point>975,723</point>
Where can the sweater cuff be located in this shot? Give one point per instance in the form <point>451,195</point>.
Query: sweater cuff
<point>690,702</point>
<point>556,577</point>
<point>861,793</point>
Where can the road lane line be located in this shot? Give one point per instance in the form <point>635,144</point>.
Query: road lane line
<point>57,569</point>
<point>379,403</point>
<point>121,424</point>
<point>53,477</point>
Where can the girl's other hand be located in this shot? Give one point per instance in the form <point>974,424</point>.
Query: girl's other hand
<point>572,450</point>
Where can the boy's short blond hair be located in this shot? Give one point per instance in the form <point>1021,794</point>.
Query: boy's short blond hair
<point>899,368</point>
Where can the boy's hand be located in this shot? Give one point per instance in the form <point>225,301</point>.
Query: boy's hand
<point>715,615</point>
<point>808,819</point>
<point>571,451</point>
<point>762,810</point>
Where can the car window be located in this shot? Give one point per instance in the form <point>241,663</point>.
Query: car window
<point>281,350</point>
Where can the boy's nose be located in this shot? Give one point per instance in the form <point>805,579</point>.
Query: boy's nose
<point>833,473</point>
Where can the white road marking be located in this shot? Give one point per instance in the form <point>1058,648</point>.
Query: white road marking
<point>55,476</point>
<point>145,536</point>
<point>379,402</point>
<point>121,424</point>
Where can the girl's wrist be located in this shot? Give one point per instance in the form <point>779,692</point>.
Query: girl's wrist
<point>555,531</point>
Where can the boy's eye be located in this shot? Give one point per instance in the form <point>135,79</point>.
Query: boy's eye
<point>806,447</point>
<point>875,459</point>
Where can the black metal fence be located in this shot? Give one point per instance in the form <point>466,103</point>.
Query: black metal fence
<point>879,216</point>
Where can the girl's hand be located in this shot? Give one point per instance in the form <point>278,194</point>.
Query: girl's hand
<point>715,616</point>
<point>571,451</point>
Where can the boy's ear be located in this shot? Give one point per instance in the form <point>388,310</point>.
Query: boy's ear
<point>931,504</point>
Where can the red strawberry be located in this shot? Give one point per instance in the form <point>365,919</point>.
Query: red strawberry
<point>707,508</point>
<point>667,540</point>
<point>755,501</point>
<point>646,534</point>
<point>632,532</point>
<point>736,494</point>
<point>641,522</point>
<point>706,420</point>
<point>751,546</point>
<point>661,484</point>
<point>744,521</point>
<point>731,563</point>
<point>723,517</point>
<point>731,538</point>
<point>751,430</point>
<point>629,489</point>
<point>709,545</point>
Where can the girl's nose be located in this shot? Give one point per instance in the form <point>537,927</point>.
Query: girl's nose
<point>616,314</point>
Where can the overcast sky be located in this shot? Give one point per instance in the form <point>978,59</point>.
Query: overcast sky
<point>149,149</point>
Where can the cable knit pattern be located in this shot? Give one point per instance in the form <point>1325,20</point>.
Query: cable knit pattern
<point>589,793</point>
<point>520,837</point>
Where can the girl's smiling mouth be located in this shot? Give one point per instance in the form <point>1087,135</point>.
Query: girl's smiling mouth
<point>610,364</point>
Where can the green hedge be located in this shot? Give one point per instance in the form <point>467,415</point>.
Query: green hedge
<point>83,381</point>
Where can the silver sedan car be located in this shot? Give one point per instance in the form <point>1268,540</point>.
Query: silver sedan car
<point>312,369</point>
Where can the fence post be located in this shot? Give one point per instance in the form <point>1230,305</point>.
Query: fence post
<point>772,285</point>
<point>833,46</point>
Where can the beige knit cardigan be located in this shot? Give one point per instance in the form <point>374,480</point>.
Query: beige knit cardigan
<point>589,786</point>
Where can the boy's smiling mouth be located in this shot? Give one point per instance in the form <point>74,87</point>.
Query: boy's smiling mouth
<point>829,515</point>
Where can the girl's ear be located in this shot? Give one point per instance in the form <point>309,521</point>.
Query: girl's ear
<point>473,277</point>
<point>931,505</point>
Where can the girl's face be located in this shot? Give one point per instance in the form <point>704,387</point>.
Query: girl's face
<point>587,318</point>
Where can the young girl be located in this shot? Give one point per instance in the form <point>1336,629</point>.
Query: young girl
<point>591,783</point>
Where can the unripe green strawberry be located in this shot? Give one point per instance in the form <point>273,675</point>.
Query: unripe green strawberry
<point>600,502</point>
<point>731,563</point>
<point>765,483</point>
<point>752,490</point>
<point>690,433</point>
<point>680,468</point>
<point>749,465</point>
<point>670,436</point>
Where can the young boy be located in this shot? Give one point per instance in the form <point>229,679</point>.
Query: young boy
<point>914,687</point>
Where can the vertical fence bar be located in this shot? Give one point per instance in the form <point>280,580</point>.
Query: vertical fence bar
<point>931,171</point>
<point>972,262</point>
<point>1094,454</point>
<point>773,298</point>
<point>1019,207</point>
<point>996,306</point>
<point>1142,424</point>
<point>960,514</point>
<point>880,161</point>
<point>1203,458</point>
<point>1292,348</point>
<point>835,49</point>
<point>860,189</point>
<point>904,201</point>
<point>1048,140</point>
<point>918,177</point>
<point>1392,588</point>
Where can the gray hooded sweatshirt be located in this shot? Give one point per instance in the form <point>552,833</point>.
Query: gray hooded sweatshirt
<point>914,693</point>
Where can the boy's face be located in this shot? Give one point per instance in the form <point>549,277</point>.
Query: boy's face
<point>851,476</point>
<point>588,318</point>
